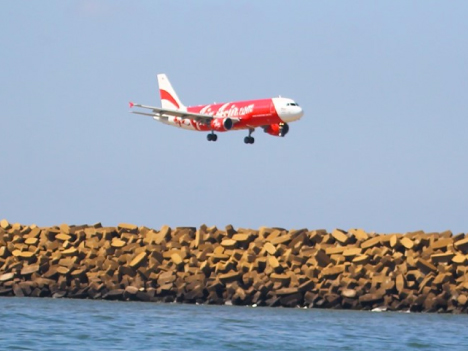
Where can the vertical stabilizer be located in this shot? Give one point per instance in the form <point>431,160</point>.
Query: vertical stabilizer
<point>169,98</point>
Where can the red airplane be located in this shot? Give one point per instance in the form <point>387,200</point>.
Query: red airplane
<point>273,115</point>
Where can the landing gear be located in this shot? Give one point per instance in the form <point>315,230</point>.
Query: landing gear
<point>212,137</point>
<point>249,139</point>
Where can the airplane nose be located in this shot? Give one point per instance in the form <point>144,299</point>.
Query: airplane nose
<point>300,112</point>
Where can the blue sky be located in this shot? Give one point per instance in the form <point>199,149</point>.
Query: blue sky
<point>382,145</point>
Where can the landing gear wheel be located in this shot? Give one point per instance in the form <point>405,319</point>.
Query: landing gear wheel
<point>212,137</point>
<point>249,140</point>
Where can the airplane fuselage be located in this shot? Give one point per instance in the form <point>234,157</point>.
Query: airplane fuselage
<point>273,115</point>
<point>250,114</point>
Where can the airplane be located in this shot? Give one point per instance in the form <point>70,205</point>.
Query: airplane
<point>273,115</point>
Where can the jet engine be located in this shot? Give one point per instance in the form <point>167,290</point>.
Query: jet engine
<point>221,124</point>
<point>278,129</point>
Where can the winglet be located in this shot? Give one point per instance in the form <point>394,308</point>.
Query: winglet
<point>131,104</point>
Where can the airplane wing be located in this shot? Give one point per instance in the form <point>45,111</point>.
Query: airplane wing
<point>165,112</point>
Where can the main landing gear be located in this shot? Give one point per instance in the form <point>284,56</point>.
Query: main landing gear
<point>249,139</point>
<point>212,137</point>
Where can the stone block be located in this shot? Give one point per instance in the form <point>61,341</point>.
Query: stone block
<point>283,239</point>
<point>163,235</point>
<point>177,259</point>
<point>442,243</point>
<point>359,234</point>
<point>361,259</point>
<point>322,258</point>
<point>371,298</point>
<point>349,293</point>
<point>442,257</point>
<point>307,285</point>
<point>352,252</point>
<point>242,238</point>
<point>229,243</point>
<point>118,243</point>
<point>286,291</point>
<point>31,241</point>
<point>270,248</point>
<point>462,300</point>
<point>4,224</point>
<point>114,294</point>
<point>291,300</point>
<point>459,259</point>
<point>229,277</point>
<point>273,262</point>
<point>340,236</point>
<point>369,243</point>
<point>280,278</point>
<point>462,245</point>
<point>407,242</point>
<point>332,272</point>
<point>63,237</point>
<point>30,269</point>
<point>400,283</point>
<point>70,252</point>
<point>425,266</point>
<point>332,250</point>
<point>127,228</point>
<point>7,276</point>
<point>138,260</point>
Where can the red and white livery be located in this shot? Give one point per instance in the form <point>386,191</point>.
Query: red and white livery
<point>273,115</point>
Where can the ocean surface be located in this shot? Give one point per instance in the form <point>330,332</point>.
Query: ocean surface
<point>64,324</point>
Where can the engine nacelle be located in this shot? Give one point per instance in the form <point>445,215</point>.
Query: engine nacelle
<point>278,129</point>
<point>221,124</point>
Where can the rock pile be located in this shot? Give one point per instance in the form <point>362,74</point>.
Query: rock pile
<point>268,267</point>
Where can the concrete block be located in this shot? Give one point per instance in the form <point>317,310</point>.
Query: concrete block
<point>229,277</point>
<point>332,272</point>
<point>442,243</point>
<point>332,250</point>
<point>425,266</point>
<point>462,245</point>
<point>283,239</point>
<point>270,248</point>
<point>361,259</point>
<point>229,243</point>
<point>442,257</point>
<point>63,237</point>
<point>407,242</point>
<point>359,234</point>
<point>349,293</point>
<point>6,277</point>
<point>31,241</point>
<point>369,243</point>
<point>29,269</point>
<point>138,260</point>
<point>340,236</point>
<point>352,252</point>
<point>127,228</point>
<point>459,259</point>
<point>322,258</point>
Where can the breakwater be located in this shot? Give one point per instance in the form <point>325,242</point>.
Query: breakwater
<point>267,267</point>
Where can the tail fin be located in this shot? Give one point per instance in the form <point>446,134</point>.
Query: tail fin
<point>169,98</point>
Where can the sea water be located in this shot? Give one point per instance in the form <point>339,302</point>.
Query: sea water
<point>66,324</point>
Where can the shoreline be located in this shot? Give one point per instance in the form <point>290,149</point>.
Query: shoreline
<point>417,271</point>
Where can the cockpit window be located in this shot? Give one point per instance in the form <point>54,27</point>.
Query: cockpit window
<point>292,104</point>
